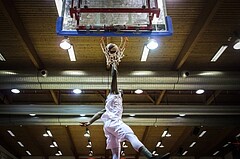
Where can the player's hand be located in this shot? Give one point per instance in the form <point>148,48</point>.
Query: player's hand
<point>85,124</point>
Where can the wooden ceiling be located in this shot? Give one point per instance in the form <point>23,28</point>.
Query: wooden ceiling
<point>29,43</point>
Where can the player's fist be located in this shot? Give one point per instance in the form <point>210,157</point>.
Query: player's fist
<point>85,124</point>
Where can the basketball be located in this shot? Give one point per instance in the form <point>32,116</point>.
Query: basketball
<point>112,48</point>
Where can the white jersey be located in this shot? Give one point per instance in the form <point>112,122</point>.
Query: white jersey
<point>114,128</point>
<point>113,108</point>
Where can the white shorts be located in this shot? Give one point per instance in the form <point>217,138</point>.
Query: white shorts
<point>115,132</point>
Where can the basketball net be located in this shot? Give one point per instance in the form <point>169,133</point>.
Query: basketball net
<point>112,52</point>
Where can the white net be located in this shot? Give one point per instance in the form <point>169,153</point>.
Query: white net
<point>112,52</point>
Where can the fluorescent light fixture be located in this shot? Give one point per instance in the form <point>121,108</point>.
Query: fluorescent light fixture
<point>65,44</point>
<point>87,133</point>
<point>59,153</point>
<point>155,153</point>
<point>19,142</point>
<point>71,54</point>
<point>215,153</point>
<point>77,91</point>
<point>55,143</point>
<point>238,135</point>
<point>16,91</point>
<point>159,143</point>
<point>202,133</point>
<point>145,53</point>
<point>138,91</point>
<point>122,153</point>
<point>166,154</point>
<point>90,153</point>
<point>142,73</point>
<point>236,46</point>
<point>184,153</point>
<point>164,133</point>
<point>2,58</point>
<point>59,4</point>
<point>89,145</point>
<point>219,53</point>
<point>226,144</point>
<point>11,133</point>
<point>168,135</point>
<point>152,44</point>
<point>32,114</point>
<point>73,73</point>
<point>28,153</point>
<point>45,135</point>
<point>124,145</point>
<point>49,133</point>
<point>210,73</point>
<point>182,115</point>
<point>3,72</point>
<point>200,91</point>
<point>193,143</point>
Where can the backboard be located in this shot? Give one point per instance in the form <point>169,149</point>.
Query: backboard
<point>114,18</point>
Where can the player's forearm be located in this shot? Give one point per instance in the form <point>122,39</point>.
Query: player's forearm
<point>114,88</point>
<point>96,117</point>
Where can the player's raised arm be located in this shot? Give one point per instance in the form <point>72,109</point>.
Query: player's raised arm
<point>114,88</point>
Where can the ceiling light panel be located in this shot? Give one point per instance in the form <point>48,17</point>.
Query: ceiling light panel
<point>202,133</point>
<point>11,133</point>
<point>71,54</point>
<point>65,44</point>
<point>2,58</point>
<point>20,143</point>
<point>219,53</point>
<point>145,53</point>
<point>237,45</point>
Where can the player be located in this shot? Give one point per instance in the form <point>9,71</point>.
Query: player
<point>114,128</point>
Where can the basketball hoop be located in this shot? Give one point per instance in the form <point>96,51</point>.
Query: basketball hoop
<point>112,52</point>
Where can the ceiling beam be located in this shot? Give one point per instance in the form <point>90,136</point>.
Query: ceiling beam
<point>5,147</point>
<point>185,134</point>
<point>139,110</point>
<point>71,142</point>
<point>99,81</point>
<point>27,132</point>
<point>140,121</point>
<point>234,143</point>
<point>213,97</point>
<point>102,97</point>
<point>54,97</point>
<point>8,9</point>
<point>203,20</point>
<point>209,150</point>
<point>150,98</point>
<point>4,98</point>
<point>160,97</point>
